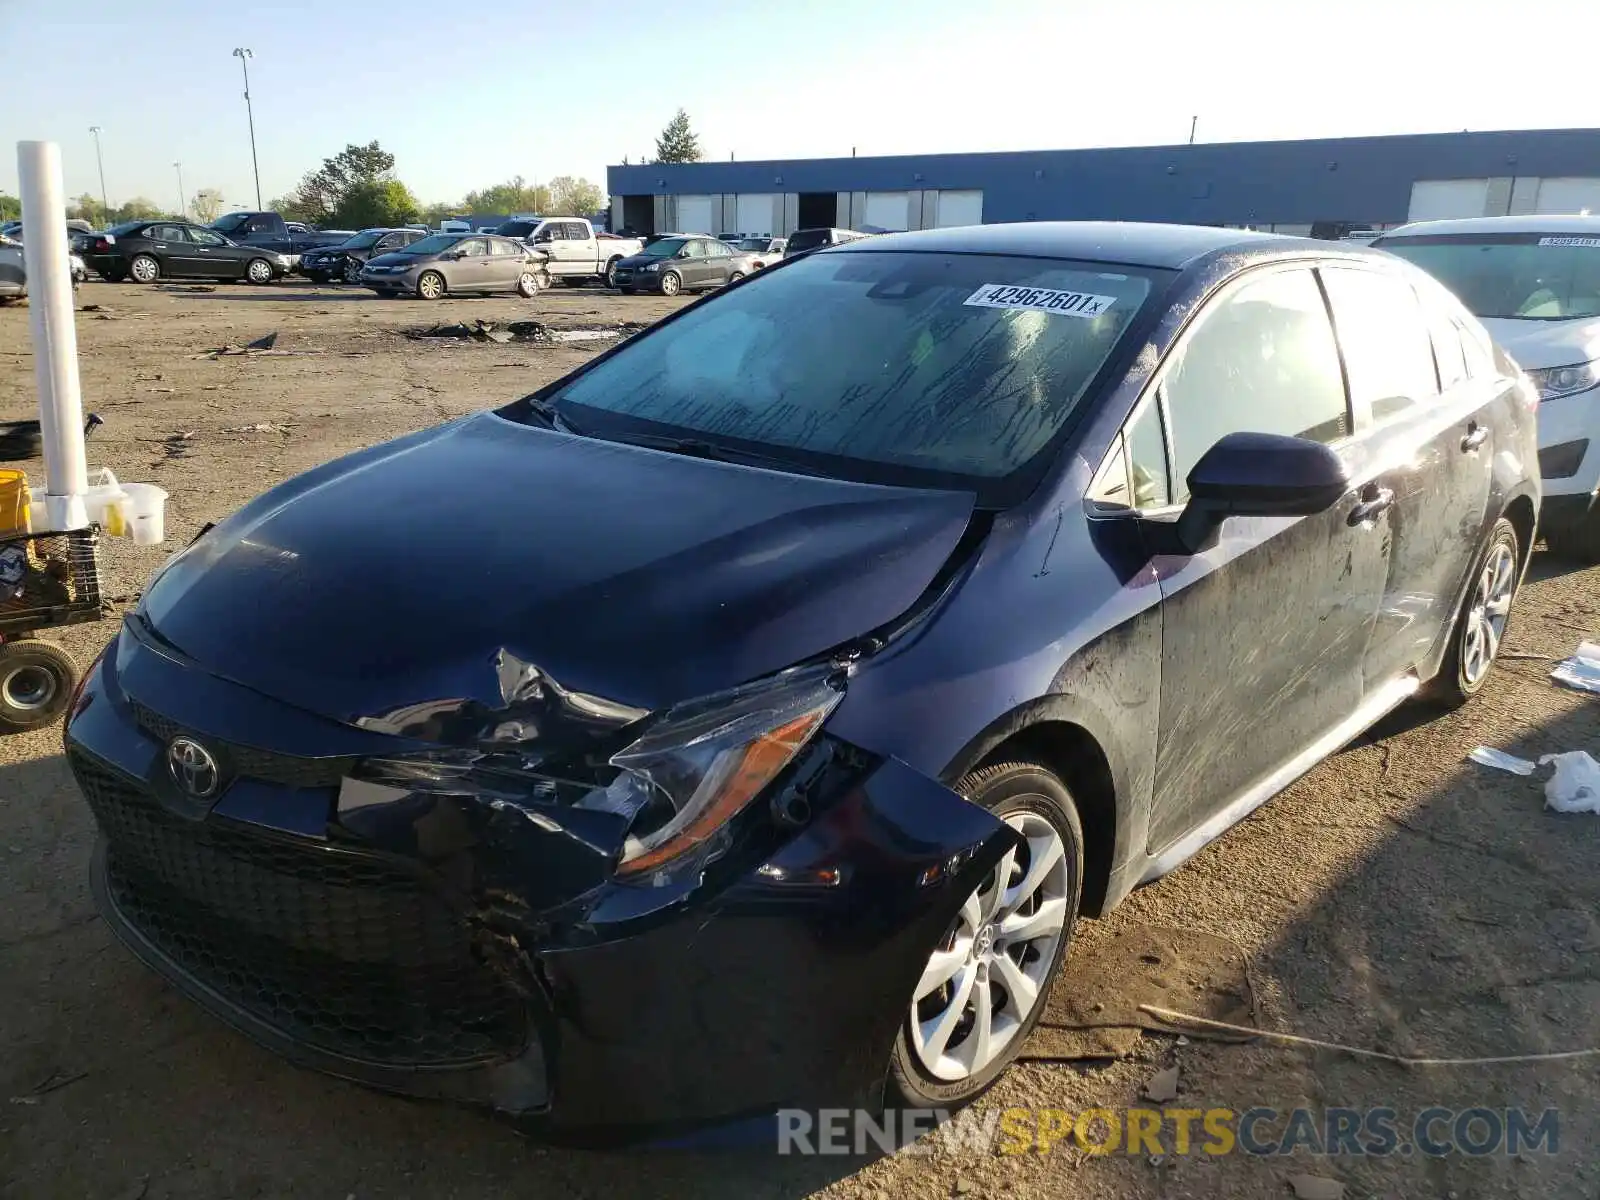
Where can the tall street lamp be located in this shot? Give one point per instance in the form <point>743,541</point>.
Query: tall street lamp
<point>183,204</point>
<point>105,204</point>
<point>242,53</point>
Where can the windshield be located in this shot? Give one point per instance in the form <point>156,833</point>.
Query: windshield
<point>433,244</point>
<point>1531,276</point>
<point>942,367</point>
<point>230,222</point>
<point>807,239</point>
<point>665,248</point>
<point>517,229</point>
<point>367,237</point>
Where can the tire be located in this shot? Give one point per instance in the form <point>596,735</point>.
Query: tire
<point>430,286</point>
<point>1480,626</point>
<point>671,283</point>
<point>352,271</point>
<point>627,291</point>
<point>527,285</point>
<point>144,269</point>
<point>735,277</point>
<point>1579,541</point>
<point>258,271</point>
<point>1031,798</point>
<point>36,682</point>
<point>317,277</point>
<point>611,271</point>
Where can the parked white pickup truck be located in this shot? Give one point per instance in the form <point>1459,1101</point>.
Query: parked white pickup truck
<point>576,253</point>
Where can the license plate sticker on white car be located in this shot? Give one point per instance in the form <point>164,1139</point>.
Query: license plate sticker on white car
<point>1033,299</point>
<point>1591,242</point>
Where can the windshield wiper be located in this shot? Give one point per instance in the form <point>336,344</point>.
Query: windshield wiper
<point>700,448</point>
<point>552,419</point>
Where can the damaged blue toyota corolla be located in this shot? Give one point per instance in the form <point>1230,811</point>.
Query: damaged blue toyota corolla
<point>744,720</point>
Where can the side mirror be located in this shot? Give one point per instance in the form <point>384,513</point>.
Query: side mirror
<point>1259,475</point>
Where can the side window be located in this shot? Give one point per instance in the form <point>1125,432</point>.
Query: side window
<point>1385,339</point>
<point>502,248</point>
<point>1478,357</point>
<point>577,232</point>
<point>206,238</point>
<point>472,247</point>
<point>1147,460</point>
<point>1262,360</point>
<point>167,233</point>
<point>718,250</point>
<point>697,249</point>
<point>259,225</point>
<point>1447,350</point>
<point>389,241</point>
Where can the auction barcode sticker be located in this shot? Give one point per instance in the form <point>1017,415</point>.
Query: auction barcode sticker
<point>1068,304</point>
<point>1570,241</point>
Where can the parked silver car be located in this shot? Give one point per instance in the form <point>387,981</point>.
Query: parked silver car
<point>763,251</point>
<point>14,272</point>
<point>457,262</point>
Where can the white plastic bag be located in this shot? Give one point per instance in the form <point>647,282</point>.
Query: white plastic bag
<point>1575,787</point>
<point>1582,670</point>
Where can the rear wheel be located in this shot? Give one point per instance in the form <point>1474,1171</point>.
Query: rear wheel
<point>611,271</point>
<point>671,283</point>
<point>430,286</point>
<point>527,285</point>
<point>1480,626</point>
<point>1579,540</point>
<point>144,269</point>
<point>987,980</point>
<point>36,682</point>
<point>259,271</point>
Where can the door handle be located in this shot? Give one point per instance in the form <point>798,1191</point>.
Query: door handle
<point>1477,435</point>
<point>1375,501</point>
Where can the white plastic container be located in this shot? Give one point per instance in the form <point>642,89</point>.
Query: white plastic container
<point>105,501</point>
<point>147,513</point>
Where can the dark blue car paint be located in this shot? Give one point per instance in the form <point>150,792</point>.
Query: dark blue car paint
<point>390,582</point>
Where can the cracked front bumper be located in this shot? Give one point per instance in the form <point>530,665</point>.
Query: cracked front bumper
<point>779,978</point>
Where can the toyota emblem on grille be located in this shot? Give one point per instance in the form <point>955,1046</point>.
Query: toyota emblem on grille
<point>192,768</point>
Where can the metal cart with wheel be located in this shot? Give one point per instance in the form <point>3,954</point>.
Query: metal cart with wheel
<point>47,580</point>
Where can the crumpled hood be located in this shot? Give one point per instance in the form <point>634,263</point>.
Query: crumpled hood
<point>1539,344</point>
<point>418,572</point>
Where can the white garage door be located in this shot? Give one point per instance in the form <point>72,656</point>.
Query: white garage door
<point>888,210</point>
<point>1569,195</point>
<point>1443,199</point>
<point>960,208</point>
<point>755,213</point>
<point>694,215</point>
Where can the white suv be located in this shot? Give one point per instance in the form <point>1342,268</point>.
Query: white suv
<point>1535,283</point>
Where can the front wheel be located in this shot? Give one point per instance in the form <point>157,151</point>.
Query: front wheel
<point>735,277</point>
<point>144,269</point>
<point>36,682</point>
<point>352,271</point>
<point>259,271</point>
<point>987,980</point>
<point>1480,626</point>
<point>671,283</point>
<point>430,286</point>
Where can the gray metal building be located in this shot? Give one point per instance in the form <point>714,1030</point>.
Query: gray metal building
<point>1323,187</point>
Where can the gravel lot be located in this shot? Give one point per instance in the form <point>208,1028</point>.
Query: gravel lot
<point>1397,898</point>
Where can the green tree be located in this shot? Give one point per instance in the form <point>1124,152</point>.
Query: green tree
<point>574,197</point>
<point>137,209</point>
<point>85,208</point>
<point>292,210</point>
<point>322,192</point>
<point>10,207</point>
<point>435,213</point>
<point>375,202</point>
<point>206,205</point>
<point>513,196</point>
<point>678,143</point>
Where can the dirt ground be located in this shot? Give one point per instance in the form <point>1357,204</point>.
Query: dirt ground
<point>1397,898</point>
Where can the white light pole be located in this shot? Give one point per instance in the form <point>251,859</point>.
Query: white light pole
<point>55,337</point>
<point>242,53</point>
<point>105,204</point>
<point>183,203</point>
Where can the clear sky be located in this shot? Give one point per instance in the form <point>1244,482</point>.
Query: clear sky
<point>541,89</point>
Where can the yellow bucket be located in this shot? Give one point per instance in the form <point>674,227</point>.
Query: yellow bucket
<point>14,502</point>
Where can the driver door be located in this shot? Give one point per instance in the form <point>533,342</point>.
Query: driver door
<point>172,249</point>
<point>214,256</point>
<point>473,269</point>
<point>1264,632</point>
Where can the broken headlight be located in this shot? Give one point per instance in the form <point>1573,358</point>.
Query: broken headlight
<point>679,783</point>
<point>698,767</point>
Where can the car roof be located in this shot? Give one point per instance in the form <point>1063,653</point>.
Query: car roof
<point>1552,223</point>
<point>1137,243</point>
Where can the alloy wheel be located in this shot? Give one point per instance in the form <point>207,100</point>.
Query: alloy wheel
<point>352,271</point>
<point>1491,607</point>
<point>259,271</point>
<point>144,269</point>
<point>430,286</point>
<point>989,971</point>
<point>670,284</point>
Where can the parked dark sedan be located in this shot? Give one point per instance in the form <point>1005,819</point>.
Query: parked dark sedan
<point>345,260</point>
<point>682,264</point>
<point>145,251</point>
<point>745,719</point>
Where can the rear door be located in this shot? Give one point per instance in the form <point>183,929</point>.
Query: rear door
<point>719,262</point>
<point>1263,633</point>
<point>214,257</point>
<point>173,250</point>
<point>696,267</point>
<point>1428,428</point>
<point>505,259</point>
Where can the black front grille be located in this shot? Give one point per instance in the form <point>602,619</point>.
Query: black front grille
<point>283,769</point>
<point>339,950</point>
